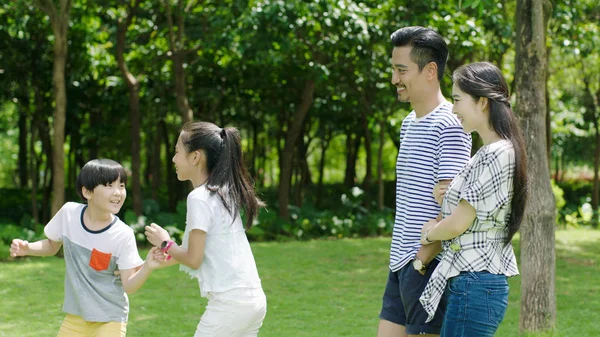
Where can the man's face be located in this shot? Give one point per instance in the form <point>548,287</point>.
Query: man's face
<point>407,78</point>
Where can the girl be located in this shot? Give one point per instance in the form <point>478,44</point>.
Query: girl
<point>482,210</point>
<point>215,249</point>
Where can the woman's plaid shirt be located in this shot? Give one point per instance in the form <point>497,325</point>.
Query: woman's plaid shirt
<point>485,183</point>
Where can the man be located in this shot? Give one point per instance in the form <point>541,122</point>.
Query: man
<point>433,148</point>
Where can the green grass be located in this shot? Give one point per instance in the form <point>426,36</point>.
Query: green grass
<point>316,288</point>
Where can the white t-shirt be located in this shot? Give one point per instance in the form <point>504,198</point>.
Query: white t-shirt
<point>92,291</point>
<point>228,260</point>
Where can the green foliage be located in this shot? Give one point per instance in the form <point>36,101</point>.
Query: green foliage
<point>10,232</point>
<point>351,220</point>
<point>174,223</point>
<point>558,196</point>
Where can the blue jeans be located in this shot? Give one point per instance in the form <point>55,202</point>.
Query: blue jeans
<point>476,305</point>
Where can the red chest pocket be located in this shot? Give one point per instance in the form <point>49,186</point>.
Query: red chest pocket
<point>99,260</point>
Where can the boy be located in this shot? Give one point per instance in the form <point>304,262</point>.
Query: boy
<point>96,244</point>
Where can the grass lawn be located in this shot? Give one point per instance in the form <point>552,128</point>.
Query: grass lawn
<point>315,288</point>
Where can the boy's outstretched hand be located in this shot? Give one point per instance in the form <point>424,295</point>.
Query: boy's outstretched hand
<point>19,248</point>
<point>155,259</point>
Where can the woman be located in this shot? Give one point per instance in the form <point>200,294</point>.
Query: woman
<point>482,210</point>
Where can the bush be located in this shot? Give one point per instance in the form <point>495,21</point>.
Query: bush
<point>352,219</point>
<point>174,223</point>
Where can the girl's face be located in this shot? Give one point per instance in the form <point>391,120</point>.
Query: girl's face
<point>469,111</point>
<point>187,164</point>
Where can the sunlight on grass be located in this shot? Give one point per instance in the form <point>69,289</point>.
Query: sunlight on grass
<point>325,288</point>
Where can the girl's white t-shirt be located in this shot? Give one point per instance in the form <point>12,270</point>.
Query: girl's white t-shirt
<point>228,260</point>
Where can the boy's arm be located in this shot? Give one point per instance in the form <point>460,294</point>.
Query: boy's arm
<point>44,247</point>
<point>134,278</point>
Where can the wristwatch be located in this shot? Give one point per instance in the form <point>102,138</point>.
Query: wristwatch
<point>419,266</point>
<point>166,245</point>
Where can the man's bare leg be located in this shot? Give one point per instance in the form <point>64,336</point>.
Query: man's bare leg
<point>389,329</point>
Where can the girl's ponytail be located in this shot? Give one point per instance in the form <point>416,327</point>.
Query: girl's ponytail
<point>230,179</point>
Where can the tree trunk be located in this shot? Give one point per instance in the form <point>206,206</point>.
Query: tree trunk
<point>293,134</point>
<point>324,145</point>
<point>34,174</point>
<point>538,299</point>
<point>176,44</point>
<point>303,172</point>
<point>597,157</point>
<point>369,160</point>
<point>155,169</point>
<point>596,167</point>
<point>169,172</point>
<point>134,107</point>
<point>380,182</point>
<point>352,146</point>
<point>59,19</point>
<point>24,114</point>
<point>548,116</point>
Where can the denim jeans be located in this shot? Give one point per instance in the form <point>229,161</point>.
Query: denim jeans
<point>476,305</point>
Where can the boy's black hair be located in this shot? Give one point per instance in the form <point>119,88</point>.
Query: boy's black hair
<point>99,172</point>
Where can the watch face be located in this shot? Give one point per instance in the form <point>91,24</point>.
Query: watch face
<point>417,264</point>
<point>163,244</point>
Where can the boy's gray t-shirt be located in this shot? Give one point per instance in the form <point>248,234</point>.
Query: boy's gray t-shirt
<point>92,291</point>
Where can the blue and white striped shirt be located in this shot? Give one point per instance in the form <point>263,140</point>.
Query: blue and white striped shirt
<point>432,148</point>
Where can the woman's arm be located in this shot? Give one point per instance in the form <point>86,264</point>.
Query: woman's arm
<point>449,228</point>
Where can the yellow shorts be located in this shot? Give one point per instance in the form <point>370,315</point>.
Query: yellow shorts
<point>75,326</point>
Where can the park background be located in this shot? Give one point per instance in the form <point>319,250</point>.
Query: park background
<point>308,85</point>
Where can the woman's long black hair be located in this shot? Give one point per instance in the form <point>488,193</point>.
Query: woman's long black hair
<point>227,174</point>
<point>483,79</point>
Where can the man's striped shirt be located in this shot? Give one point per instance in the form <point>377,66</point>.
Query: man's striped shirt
<point>432,148</point>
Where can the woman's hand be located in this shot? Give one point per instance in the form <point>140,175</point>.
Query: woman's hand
<point>426,228</point>
<point>156,234</point>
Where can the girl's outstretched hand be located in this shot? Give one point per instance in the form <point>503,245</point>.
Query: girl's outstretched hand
<point>156,234</point>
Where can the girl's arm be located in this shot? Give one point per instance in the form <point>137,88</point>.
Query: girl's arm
<point>194,255</point>
<point>449,228</point>
<point>191,257</point>
<point>44,247</point>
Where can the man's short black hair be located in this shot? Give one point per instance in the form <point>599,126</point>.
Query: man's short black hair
<point>427,46</point>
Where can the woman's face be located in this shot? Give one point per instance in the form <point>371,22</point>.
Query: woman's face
<point>468,110</point>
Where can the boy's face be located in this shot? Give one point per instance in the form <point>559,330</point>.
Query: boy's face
<point>109,197</point>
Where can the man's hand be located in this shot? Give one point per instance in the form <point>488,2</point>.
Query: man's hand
<point>427,253</point>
